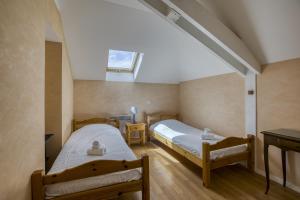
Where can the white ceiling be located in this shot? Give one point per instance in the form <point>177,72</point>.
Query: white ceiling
<point>92,27</point>
<point>130,4</point>
<point>270,28</point>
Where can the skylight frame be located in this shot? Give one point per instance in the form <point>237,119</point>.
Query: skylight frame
<point>123,69</point>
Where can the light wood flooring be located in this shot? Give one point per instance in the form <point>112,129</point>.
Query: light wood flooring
<point>174,178</point>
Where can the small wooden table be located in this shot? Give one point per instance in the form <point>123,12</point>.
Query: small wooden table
<point>284,139</point>
<point>131,129</point>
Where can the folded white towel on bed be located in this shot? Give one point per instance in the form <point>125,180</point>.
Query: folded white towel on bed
<point>96,152</point>
<point>207,136</point>
<point>97,149</point>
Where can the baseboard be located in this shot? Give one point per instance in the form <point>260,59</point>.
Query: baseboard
<point>278,180</point>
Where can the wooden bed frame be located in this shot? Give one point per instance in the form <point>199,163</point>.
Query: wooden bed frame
<point>78,124</point>
<point>94,168</point>
<point>206,163</point>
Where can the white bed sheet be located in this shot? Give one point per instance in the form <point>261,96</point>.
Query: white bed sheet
<point>74,153</point>
<point>189,138</point>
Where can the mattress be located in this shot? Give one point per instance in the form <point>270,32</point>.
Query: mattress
<point>74,153</point>
<point>189,138</point>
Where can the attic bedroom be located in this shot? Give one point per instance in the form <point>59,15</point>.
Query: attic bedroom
<point>150,99</point>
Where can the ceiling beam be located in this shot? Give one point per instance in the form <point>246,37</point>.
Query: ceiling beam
<point>193,19</point>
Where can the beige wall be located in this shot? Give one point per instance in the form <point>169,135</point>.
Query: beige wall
<point>22,88</point>
<point>218,103</point>
<point>54,20</point>
<point>215,102</point>
<point>53,98</point>
<point>278,106</point>
<point>22,75</point>
<point>67,98</point>
<point>100,98</point>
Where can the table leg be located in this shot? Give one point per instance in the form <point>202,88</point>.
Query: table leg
<point>266,159</point>
<point>144,137</point>
<point>128,134</point>
<point>283,159</point>
<point>141,137</point>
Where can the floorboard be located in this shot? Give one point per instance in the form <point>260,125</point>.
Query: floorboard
<point>174,178</point>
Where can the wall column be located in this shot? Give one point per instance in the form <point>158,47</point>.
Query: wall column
<point>250,103</point>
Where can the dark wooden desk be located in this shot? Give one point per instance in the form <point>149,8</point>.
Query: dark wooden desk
<point>284,139</point>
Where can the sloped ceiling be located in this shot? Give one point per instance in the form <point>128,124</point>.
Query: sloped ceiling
<point>92,27</point>
<point>270,28</point>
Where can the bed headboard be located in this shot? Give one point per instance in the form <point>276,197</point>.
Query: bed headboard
<point>156,117</point>
<point>78,124</point>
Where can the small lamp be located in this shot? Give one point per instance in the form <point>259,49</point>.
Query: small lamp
<point>133,111</point>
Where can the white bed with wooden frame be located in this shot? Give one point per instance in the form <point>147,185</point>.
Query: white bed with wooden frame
<point>205,161</point>
<point>113,176</point>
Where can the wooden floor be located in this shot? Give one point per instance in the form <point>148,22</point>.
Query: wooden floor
<point>174,178</point>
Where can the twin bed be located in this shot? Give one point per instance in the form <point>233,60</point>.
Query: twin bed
<point>207,154</point>
<point>76,175</point>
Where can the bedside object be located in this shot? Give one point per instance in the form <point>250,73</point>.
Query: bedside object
<point>133,111</point>
<point>286,140</point>
<point>123,119</point>
<point>135,133</point>
<point>48,137</point>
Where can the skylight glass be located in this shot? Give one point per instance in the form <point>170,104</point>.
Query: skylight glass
<point>121,59</point>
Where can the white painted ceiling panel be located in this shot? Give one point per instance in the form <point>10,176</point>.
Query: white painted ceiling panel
<point>270,28</point>
<point>92,27</point>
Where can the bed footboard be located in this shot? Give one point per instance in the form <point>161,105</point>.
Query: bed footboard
<point>94,168</point>
<point>208,164</point>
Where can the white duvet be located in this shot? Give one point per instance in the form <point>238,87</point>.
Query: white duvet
<point>74,153</point>
<point>189,138</point>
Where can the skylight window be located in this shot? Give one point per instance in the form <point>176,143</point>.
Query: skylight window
<point>122,61</point>
<point>123,66</point>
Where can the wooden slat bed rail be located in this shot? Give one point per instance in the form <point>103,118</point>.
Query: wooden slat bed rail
<point>77,124</point>
<point>228,142</point>
<point>94,168</point>
<point>37,186</point>
<point>145,178</point>
<point>220,162</point>
<point>208,164</point>
<point>109,192</point>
